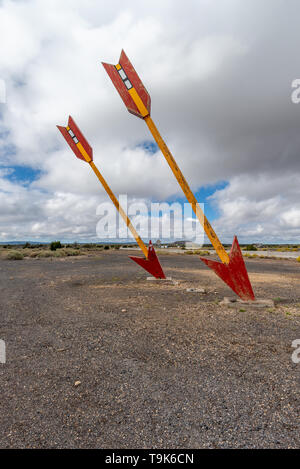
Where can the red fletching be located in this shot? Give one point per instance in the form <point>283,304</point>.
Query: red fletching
<point>79,136</point>
<point>134,80</point>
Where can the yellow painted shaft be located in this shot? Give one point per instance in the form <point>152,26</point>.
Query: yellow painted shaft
<point>118,207</point>
<point>187,191</point>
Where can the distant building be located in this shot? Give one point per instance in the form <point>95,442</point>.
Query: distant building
<point>185,245</point>
<point>191,245</point>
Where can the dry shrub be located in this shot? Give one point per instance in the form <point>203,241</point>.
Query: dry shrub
<point>14,256</point>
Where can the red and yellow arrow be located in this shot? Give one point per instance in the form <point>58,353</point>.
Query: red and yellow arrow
<point>137,100</point>
<point>84,151</point>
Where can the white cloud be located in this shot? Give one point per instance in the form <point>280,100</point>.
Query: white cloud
<point>220,80</point>
<point>264,209</point>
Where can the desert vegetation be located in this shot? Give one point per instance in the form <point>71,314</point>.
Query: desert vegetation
<point>55,249</point>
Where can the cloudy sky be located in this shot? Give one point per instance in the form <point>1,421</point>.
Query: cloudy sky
<point>220,77</point>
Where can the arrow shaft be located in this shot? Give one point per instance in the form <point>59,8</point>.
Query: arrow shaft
<point>220,250</point>
<point>119,208</point>
<point>187,191</point>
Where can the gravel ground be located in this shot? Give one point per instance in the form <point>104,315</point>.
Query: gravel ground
<point>97,357</point>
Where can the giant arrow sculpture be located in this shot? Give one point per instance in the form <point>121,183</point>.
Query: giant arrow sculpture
<point>83,151</point>
<point>232,269</point>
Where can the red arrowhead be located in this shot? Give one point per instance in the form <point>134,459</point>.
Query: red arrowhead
<point>235,273</point>
<point>151,264</point>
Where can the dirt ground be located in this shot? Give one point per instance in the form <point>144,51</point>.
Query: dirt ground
<point>98,357</point>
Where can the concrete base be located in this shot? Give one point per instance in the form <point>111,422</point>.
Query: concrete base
<point>196,290</point>
<point>258,303</point>
<point>153,279</point>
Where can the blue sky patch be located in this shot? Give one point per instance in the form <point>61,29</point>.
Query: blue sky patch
<point>202,195</point>
<point>24,175</point>
<point>149,147</point>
